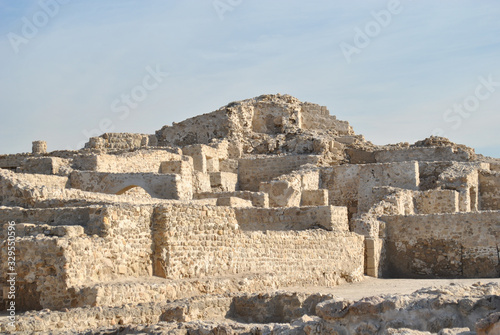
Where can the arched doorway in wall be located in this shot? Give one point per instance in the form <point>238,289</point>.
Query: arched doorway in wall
<point>134,191</point>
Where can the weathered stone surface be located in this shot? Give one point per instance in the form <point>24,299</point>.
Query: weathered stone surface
<point>427,311</point>
<point>264,192</point>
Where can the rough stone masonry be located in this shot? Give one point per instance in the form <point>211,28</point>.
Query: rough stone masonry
<point>268,192</point>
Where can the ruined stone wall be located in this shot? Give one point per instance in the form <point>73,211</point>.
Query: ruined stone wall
<point>489,190</point>
<point>197,130</point>
<point>351,185</point>
<point>463,177</point>
<point>258,199</point>
<point>121,141</point>
<point>11,162</point>
<point>29,179</point>
<point>200,241</point>
<point>205,158</point>
<point>163,186</point>
<point>423,154</point>
<point>253,171</point>
<point>288,190</point>
<point>314,116</point>
<point>429,173</point>
<point>40,271</point>
<point>437,201</point>
<point>20,189</point>
<point>136,161</point>
<point>125,245</point>
<point>54,262</point>
<point>46,165</point>
<point>443,245</point>
<point>51,216</point>
<point>293,218</point>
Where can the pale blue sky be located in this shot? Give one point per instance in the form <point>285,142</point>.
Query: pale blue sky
<point>65,80</point>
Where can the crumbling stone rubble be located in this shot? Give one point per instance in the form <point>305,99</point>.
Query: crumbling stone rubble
<point>443,310</point>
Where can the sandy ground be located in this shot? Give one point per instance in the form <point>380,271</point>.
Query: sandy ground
<point>377,286</point>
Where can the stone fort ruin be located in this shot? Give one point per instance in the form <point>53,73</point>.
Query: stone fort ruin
<point>268,192</point>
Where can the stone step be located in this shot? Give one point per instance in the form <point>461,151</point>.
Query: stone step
<point>139,290</point>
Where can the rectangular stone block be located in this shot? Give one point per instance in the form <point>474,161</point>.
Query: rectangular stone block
<point>314,198</point>
<point>371,262</point>
<point>233,202</point>
<point>177,167</point>
<point>437,201</point>
<point>370,243</point>
<point>224,181</point>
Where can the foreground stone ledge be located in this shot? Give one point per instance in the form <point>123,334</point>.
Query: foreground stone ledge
<point>453,309</point>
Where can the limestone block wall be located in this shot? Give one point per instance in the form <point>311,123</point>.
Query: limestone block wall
<point>182,167</point>
<point>283,193</point>
<point>203,241</point>
<point>223,181</point>
<point>40,268</point>
<point>423,154</point>
<point>233,202</point>
<point>429,173</point>
<point>55,263</point>
<point>401,174</point>
<point>229,165</point>
<point>205,158</point>
<point>201,182</point>
<point>293,218</point>
<point>315,198</point>
<point>489,190</point>
<point>11,162</point>
<point>352,185</point>
<point>145,161</point>
<point>374,256</point>
<point>121,141</point>
<point>455,245</point>
<point>258,199</point>
<point>437,201</point>
<point>273,119</point>
<point>314,116</point>
<point>287,190</point>
<point>52,216</point>
<point>42,197</point>
<point>163,186</point>
<point>253,171</point>
<point>124,248</point>
<point>46,165</point>
<point>20,188</point>
<point>390,201</point>
<point>462,177</point>
<point>28,179</point>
